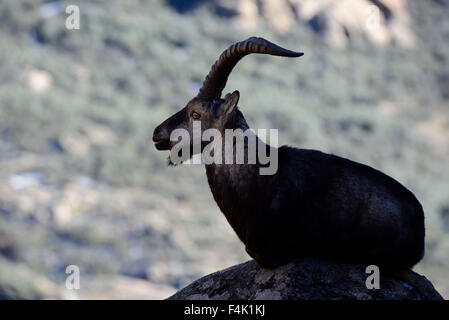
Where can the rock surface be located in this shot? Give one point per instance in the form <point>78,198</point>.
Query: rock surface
<point>305,279</point>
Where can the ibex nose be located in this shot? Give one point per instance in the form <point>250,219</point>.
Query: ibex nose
<point>156,133</point>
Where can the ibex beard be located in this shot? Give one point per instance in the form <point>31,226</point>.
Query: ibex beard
<point>236,147</point>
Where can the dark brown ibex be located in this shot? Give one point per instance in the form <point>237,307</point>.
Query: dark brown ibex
<point>315,204</point>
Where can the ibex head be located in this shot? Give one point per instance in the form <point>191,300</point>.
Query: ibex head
<point>207,106</point>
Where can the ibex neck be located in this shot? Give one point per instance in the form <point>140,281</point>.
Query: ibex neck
<point>232,185</point>
<point>233,171</point>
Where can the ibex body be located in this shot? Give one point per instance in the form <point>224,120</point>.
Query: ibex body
<point>315,204</point>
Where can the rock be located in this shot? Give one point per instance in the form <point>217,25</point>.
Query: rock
<point>39,80</point>
<point>380,21</point>
<point>306,279</point>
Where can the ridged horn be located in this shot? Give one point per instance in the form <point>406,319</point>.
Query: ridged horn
<point>216,80</point>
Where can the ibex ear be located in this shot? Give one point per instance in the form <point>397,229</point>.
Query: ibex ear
<point>231,100</point>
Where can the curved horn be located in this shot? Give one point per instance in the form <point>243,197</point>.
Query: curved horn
<point>215,81</point>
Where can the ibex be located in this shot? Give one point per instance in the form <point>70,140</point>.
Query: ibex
<point>316,204</point>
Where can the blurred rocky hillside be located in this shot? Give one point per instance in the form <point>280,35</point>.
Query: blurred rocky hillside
<point>83,184</point>
<point>381,21</point>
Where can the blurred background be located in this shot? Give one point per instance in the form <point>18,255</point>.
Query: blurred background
<point>82,183</point>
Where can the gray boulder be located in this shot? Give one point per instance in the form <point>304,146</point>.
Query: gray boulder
<point>306,279</point>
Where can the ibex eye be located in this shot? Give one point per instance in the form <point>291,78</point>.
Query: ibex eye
<point>196,115</point>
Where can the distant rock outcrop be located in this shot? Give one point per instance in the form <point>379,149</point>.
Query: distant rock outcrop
<point>380,21</point>
<point>306,279</point>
